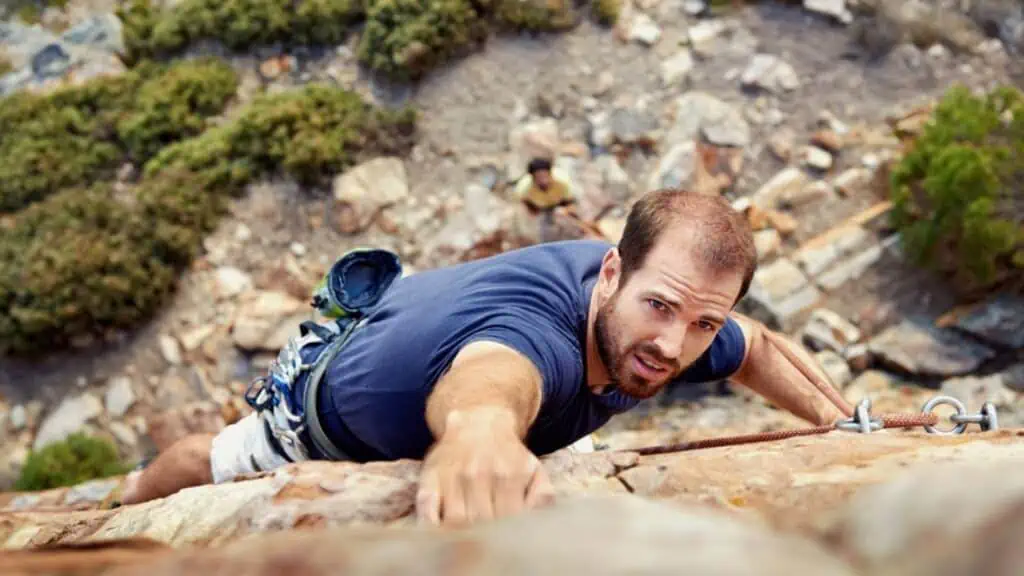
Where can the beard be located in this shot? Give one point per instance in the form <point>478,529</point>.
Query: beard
<point>618,357</point>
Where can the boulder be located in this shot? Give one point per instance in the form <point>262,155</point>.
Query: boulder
<point>834,504</point>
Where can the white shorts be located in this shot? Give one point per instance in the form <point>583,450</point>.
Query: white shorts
<point>243,448</point>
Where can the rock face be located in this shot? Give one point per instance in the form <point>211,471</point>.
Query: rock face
<point>836,504</point>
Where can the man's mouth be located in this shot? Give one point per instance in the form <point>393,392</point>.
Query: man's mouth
<point>648,368</point>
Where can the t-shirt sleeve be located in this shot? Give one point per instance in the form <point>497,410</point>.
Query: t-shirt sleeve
<point>722,359</point>
<point>556,356</point>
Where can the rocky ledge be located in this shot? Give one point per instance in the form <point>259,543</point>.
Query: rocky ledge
<point>885,503</point>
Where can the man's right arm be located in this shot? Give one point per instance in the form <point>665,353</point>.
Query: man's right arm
<point>479,412</point>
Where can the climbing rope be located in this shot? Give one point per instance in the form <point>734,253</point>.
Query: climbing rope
<point>861,422</point>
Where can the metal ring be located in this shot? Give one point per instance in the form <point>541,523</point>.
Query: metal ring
<point>990,421</point>
<point>961,410</point>
<point>861,420</point>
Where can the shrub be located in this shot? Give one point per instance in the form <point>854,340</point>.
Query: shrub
<point>77,265</point>
<point>404,39</point>
<point>309,134</point>
<point>79,135</point>
<point>607,11</point>
<point>537,15</point>
<point>77,459</point>
<point>176,104</point>
<point>238,24</point>
<point>86,261</point>
<point>958,194</point>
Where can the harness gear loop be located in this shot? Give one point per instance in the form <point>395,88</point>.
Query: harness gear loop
<point>346,294</point>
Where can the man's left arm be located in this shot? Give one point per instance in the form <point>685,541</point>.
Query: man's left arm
<point>780,370</point>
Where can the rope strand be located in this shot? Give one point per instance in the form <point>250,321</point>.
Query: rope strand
<point>888,421</point>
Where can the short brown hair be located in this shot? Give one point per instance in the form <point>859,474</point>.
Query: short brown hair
<point>725,241</point>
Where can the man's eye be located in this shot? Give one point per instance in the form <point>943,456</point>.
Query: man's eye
<point>705,325</point>
<point>660,307</point>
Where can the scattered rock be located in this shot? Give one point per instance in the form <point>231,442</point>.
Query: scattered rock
<point>786,182</point>
<point>785,223</point>
<point>858,357</point>
<point>924,350</point>
<point>701,114</point>
<point>769,72</point>
<point>826,330</point>
<point>628,126</point>
<point>363,191</point>
<point>676,69</point>
<point>124,434</point>
<point>266,319</point>
<point>73,413</point>
<point>767,243</point>
<point>644,29</point>
<point>704,36</point>
<point>835,368</point>
<point>169,349</point>
<point>854,266</point>
<point>852,181</point>
<point>998,321</point>
<point>778,293</point>
<point>827,140</point>
<point>814,259</point>
<point>815,157</point>
<point>119,397</point>
<point>17,417</point>
<point>781,144</point>
<point>816,191</point>
<point>833,8</point>
<point>230,281</point>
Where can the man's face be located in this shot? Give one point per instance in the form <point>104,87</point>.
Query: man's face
<point>664,317</point>
<point>542,178</point>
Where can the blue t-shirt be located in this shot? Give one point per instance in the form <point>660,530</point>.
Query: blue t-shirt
<point>535,300</point>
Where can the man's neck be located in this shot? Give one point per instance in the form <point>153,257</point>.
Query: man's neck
<point>597,373</point>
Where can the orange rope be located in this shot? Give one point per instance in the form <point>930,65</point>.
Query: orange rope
<point>888,421</point>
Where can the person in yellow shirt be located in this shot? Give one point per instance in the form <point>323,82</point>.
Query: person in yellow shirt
<point>542,193</point>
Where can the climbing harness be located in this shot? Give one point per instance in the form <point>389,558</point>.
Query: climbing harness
<point>345,295</point>
<point>861,422</point>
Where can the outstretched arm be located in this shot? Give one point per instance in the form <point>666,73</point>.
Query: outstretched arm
<point>479,412</point>
<point>783,372</point>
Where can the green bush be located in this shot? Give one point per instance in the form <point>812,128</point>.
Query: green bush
<point>309,134</point>
<point>79,135</point>
<point>958,194</point>
<point>151,32</point>
<point>76,265</point>
<point>87,261</point>
<point>77,459</point>
<point>176,105</point>
<point>404,39</point>
<point>537,15</point>
<point>607,11</point>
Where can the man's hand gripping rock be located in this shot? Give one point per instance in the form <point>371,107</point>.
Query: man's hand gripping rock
<point>480,411</point>
<point>480,470</point>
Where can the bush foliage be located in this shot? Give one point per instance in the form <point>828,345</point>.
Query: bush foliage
<point>958,194</point>
<point>77,459</point>
<point>81,261</point>
<point>402,39</point>
<point>82,134</point>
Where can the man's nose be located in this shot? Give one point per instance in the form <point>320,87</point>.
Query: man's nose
<point>670,341</point>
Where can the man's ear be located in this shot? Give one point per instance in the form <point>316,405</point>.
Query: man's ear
<point>611,268</point>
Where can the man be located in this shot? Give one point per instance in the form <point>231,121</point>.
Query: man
<point>482,367</point>
<point>542,194</point>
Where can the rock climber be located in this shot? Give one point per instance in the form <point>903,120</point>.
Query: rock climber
<point>543,194</point>
<point>478,369</point>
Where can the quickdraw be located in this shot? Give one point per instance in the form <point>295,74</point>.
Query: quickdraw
<point>861,422</point>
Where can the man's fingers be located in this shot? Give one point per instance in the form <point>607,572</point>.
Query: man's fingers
<point>510,493</point>
<point>428,500</point>
<point>477,486</point>
<point>453,500</point>
<point>540,492</point>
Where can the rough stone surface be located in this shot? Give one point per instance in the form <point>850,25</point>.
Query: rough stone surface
<point>919,348</point>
